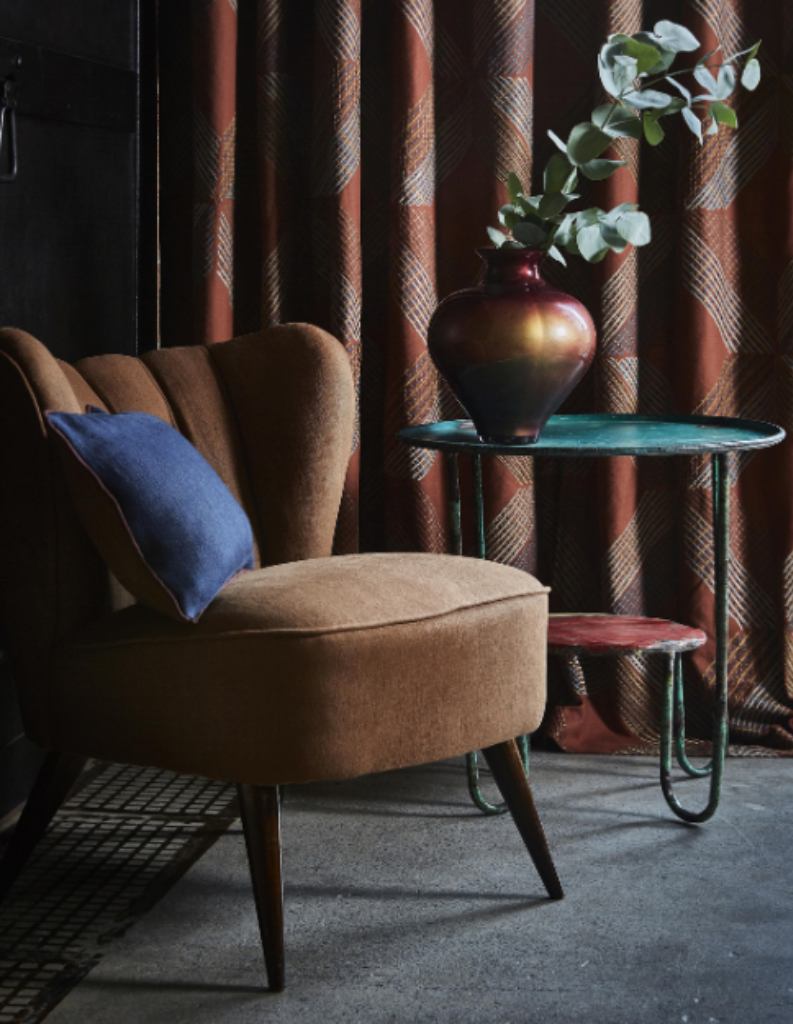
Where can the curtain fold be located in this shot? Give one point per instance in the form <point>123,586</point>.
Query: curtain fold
<point>337,161</point>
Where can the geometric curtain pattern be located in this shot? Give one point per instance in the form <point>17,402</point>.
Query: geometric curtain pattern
<point>336,161</point>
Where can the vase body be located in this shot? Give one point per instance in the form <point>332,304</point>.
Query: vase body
<point>513,348</point>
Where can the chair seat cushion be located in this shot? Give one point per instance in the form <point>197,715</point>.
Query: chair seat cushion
<point>327,668</point>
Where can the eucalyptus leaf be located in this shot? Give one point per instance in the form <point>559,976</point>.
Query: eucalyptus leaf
<point>571,182</point>
<point>614,215</point>
<point>597,170</point>
<point>556,254</point>
<point>586,142</point>
<point>725,83</point>
<point>653,132</point>
<point>634,227</point>
<point>607,79</point>
<point>613,238</point>
<point>530,235</point>
<point>557,172</point>
<point>723,114</point>
<point>588,217</point>
<point>572,246</point>
<point>591,243</point>
<point>713,127</point>
<point>498,238</point>
<point>623,123</point>
<point>706,80</point>
<point>624,73</point>
<point>566,229</point>
<point>693,122</point>
<point>529,205</point>
<point>647,99</point>
<point>607,62</point>
<point>509,216</point>
<point>750,78</point>
<point>675,37</point>
<point>646,56</point>
<point>514,187</point>
<point>667,57</point>
<point>552,203</point>
<point>680,88</point>
<point>675,104</point>
<point>510,244</point>
<point>718,88</point>
<point>557,141</point>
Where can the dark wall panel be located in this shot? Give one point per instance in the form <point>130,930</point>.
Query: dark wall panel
<point>102,30</point>
<point>69,265</point>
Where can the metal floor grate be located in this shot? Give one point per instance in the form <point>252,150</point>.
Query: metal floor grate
<point>119,843</point>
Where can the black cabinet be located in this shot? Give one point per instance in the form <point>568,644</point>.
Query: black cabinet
<point>77,222</point>
<point>78,179</point>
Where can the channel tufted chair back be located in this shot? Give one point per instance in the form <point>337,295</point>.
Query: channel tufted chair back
<point>282,451</point>
<point>305,668</point>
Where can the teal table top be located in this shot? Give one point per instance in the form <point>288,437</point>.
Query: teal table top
<point>607,435</point>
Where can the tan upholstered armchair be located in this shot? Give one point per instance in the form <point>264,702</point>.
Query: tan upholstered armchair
<point>306,668</point>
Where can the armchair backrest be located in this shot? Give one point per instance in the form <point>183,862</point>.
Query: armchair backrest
<point>272,412</point>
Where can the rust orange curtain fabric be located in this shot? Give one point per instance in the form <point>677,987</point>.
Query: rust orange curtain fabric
<point>337,161</point>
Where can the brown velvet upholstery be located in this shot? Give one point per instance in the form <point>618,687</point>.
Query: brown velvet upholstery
<point>292,671</point>
<point>293,668</point>
<point>309,667</point>
<point>283,457</point>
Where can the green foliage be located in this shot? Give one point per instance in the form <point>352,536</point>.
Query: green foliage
<point>635,72</point>
<point>597,170</point>
<point>586,142</point>
<point>750,78</point>
<point>653,132</point>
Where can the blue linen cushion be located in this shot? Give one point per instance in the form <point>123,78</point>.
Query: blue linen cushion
<point>165,523</point>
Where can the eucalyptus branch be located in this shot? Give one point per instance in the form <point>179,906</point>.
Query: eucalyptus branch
<point>685,71</point>
<point>617,103</point>
<point>542,221</point>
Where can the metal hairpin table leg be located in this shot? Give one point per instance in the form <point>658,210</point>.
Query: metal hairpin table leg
<point>721,535</point>
<point>455,516</point>
<point>453,482</point>
<point>679,727</point>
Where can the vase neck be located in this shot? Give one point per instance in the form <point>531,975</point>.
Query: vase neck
<point>513,266</point>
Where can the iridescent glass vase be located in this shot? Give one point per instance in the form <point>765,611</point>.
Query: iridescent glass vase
<point>512,349</point>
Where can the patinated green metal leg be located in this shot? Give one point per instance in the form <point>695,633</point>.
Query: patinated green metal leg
<point>472,760</point>
<point>455,512</point>
<point>679,727</point>
<point>721,512</point>
<point>472,765</point>
<point>479,507</point>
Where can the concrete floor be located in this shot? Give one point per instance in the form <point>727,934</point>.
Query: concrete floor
<point>403,904</point>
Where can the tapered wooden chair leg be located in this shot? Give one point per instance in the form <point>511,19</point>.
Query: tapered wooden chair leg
<point>261,823</point>
<point>507,768</point>
<point>56,777</point>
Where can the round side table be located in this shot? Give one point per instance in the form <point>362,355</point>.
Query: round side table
<point>609,435</point>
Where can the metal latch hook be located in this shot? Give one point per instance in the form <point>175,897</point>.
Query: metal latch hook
<point>8,120</point>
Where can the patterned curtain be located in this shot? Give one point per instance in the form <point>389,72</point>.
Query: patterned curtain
<point>336,161</point>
